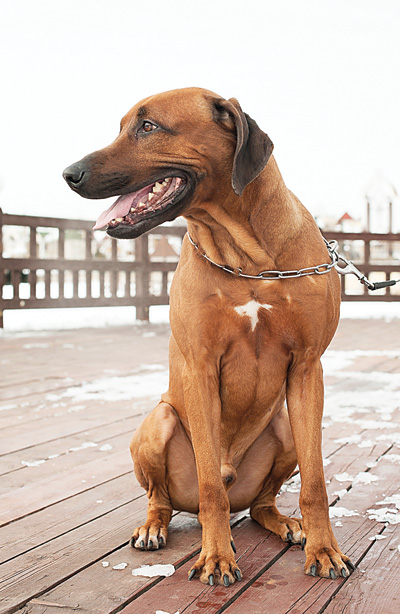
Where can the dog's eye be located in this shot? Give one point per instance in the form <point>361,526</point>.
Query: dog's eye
<point>147,127</point>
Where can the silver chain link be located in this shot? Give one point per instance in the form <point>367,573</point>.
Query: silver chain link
<point>319,269</point>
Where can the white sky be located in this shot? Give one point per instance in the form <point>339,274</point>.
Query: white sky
<point>321,77</point>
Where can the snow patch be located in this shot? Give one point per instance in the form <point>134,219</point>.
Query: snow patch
<point>106,447</point>
<point>339,512</point>
<point>105,564</point>
<point>343,477</point>
<point>367,443</point>
<point>150,571</point>
<point>120,566</point>
<point>393,499</point>
<point>377,537</point>
<point>365,478</point>
<point>83,446</point>
<point>384,515</point>
<point>148,381</point>
<point>7,407</point>
<point>349,439</point>
<point>393,458</point>
<point>34,463</point>
<point>341,493</point>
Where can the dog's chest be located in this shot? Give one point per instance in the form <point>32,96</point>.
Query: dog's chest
<point>255,360</point>
<point>251,310</point>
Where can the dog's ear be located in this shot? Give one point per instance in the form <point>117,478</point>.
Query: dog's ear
<point>253,146</point>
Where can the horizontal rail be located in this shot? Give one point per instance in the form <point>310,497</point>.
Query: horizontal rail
<point>128,279</point>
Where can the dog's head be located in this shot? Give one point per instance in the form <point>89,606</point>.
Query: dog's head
<point>174,150</point>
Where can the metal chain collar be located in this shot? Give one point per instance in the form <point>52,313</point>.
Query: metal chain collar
<point>320,269</point>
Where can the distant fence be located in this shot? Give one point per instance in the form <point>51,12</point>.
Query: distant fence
<point>54,262</point>
<point>377,256</point>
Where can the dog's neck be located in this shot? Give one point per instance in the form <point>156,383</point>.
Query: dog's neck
<point>251,231</point>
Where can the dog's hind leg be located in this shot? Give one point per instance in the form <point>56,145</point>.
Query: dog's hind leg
<point>263,509</point>
<point>161,452</point>
<point>148,451</point>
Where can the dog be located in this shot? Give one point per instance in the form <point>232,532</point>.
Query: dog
<point>245,397</point>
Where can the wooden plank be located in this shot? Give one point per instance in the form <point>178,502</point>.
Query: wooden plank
<point>97,594</point>
<point>257,550</point>
<point>60,426</point>
<point>38,495</point>
<point>38,571</point>
<point>176,595</point>
<point>97,589</point>
<point>48,524</point>
<point>67,461</point>
<point>56,450</point>
<point>313,594</point>
<point>375,588</point>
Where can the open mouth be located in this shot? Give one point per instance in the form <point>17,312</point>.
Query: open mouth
<point>148,202</point>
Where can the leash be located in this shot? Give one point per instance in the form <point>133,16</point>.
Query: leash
<point>319,269</point>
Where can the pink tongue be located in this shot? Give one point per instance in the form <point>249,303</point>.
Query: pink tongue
<point>121,207</point>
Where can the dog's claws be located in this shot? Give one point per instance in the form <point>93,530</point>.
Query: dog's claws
<point>313,570</point>
<point>192,574</point>
<point>343,572</point>
<point>303,543</point>
<point>350,565</point>
<point>233,546</point>
<point>150,544</point>
<point>142,544</point>
<point>161,542</point>
<point>238,575</point>
<point>226,580</point>
<point>332,574</point>
<point>132,542</point>
<point>289,538</point>
<point>211,579</point>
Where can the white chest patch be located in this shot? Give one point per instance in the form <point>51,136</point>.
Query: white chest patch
<point>250,310</point>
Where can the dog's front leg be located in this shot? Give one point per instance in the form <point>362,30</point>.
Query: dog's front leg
<point>305,397</point>
<point>203,408</point>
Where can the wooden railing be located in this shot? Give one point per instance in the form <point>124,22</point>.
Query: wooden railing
<point>55,262</point>
<point>377,256</point>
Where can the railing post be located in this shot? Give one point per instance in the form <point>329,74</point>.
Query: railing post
<point>61,254</point>
<point>367,256</point>
<point>2,278</point>
<point>142,277</point>
<point>88,258</point>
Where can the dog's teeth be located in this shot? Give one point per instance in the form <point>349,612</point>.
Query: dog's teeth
<point>157,187</point>
<point>132,209</point>
<point>118,219</point>
<point>151,195</point>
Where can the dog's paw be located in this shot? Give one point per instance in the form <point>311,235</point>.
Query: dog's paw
<point>150,536</point>
<point>326,561</point>
<point>216,568</point>
<point>288,529</point>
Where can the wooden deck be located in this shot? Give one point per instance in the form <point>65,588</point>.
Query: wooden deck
<point>69,501</point>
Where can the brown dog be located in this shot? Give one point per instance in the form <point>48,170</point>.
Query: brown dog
<point>221,438</point>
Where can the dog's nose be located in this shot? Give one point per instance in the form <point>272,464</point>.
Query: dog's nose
<point>74,174</point>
